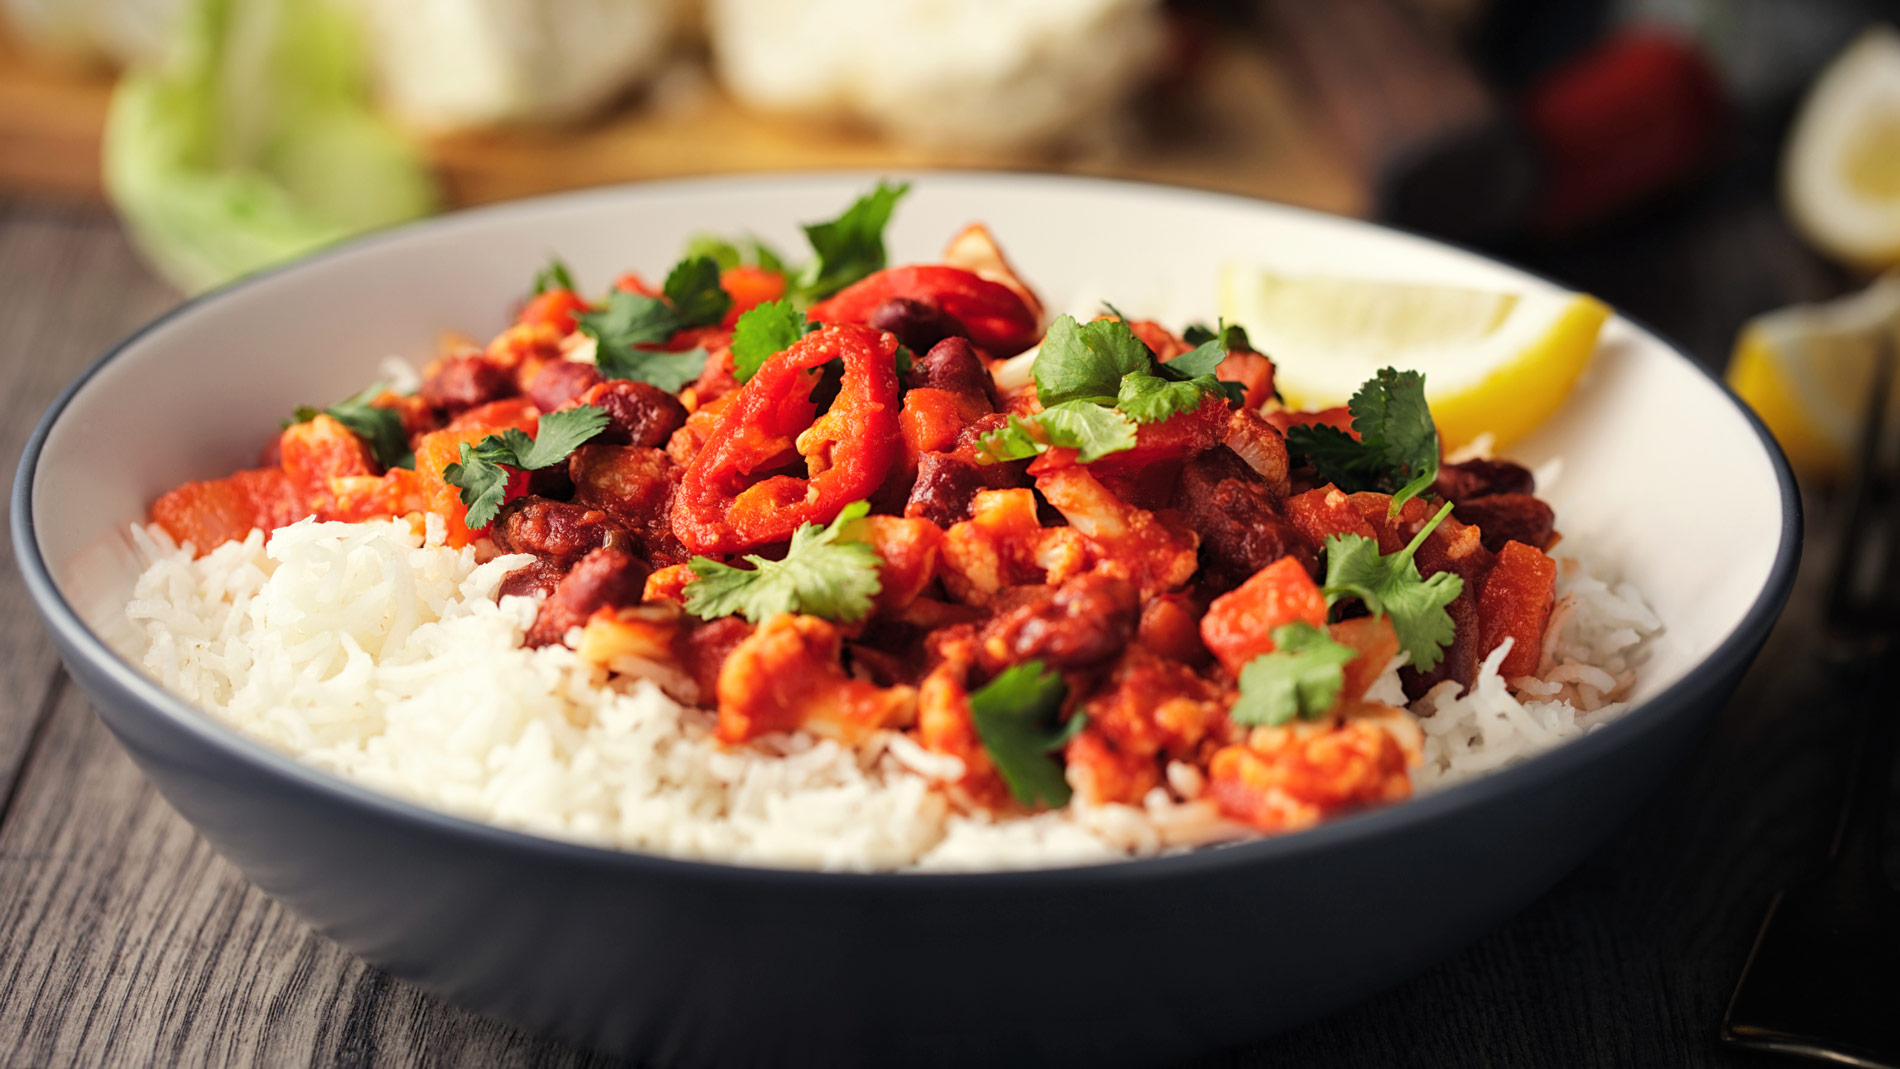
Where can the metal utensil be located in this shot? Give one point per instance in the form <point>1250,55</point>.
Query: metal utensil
<point>1821,980</point>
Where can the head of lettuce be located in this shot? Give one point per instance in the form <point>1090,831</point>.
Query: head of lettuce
<point>255,142</point>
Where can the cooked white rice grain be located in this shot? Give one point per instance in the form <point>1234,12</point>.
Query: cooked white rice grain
<point>382,655</point>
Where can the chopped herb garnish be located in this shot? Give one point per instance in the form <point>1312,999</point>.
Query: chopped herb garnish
<point>1091,430</point>
<point>1301,676</point>
<point>827,572</point>
<point>1015,716</point>
<point>1391,586</point>
<point>380,428</point>
<point>554,276</point>
<point>747,252</point>
<point>1096,382</point>
<point>627,331</point>
<point>849,247</point>
<point>483,475</point>
<point>763,332</point>
<point>1397,448</point>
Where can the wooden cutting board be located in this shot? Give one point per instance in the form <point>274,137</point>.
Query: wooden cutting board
<point>1236,127</point>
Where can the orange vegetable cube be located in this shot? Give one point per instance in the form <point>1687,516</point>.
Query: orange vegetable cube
<point>1516,604</point>
<point>1239,624</point>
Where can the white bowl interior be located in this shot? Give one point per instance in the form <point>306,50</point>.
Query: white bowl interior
<point>1663,480</point>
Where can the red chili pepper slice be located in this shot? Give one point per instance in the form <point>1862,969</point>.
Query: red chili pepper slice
<point>997,319</point>
<point>723,506</point>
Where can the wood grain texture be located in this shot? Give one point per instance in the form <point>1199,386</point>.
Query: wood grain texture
<point>70,287</point>
<point>125,941</point>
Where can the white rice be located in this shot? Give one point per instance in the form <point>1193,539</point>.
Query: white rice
<point>379,654</point>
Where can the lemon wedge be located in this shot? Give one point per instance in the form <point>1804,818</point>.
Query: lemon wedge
<point>1840,173</point>
<point>1806,370</point>
<point>1494,362</point>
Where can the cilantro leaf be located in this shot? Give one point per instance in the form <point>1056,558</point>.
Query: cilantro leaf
<point>764,331</point>
<point>1014,715</point>
<point>554,276</point>
<point>669,371</point>
<point>558,433</point>
<point>1397,450</point>
<point>1198,361</point>
<point>1391,586</point>
<point>1301,676</point>
<point>1086,361</point>
<point>1230,335</point>
<point>380,428</point>
<point>748,251</point>
<point>824,573</point>
<point>693,288</point>
<point>1090,429</point>
<point>630,319</point>
<point>482,472</point>
<point>626,331</point>
<point>851,246</point>
<point>1148,398</point>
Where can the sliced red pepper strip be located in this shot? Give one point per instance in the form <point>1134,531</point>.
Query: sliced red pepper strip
<point>722,506</point>
<point>997,319</point>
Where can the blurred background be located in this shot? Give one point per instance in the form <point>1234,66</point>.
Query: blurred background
<point>1697,163</point>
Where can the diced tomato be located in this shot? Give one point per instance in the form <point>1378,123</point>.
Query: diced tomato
<point>749,287</point>
<point>553,308</point>
<point>1253,371</point>
<point>1164,343</point>
<point>397,492</point>
<point>1321,513</point>
<point>668,584</point>
<point>631,282</point>
<point>1376,643</point>
<point>930,421</point>
<point>436,451</point>
<point>1515,604</point>
<point>1340,418</point>
<point>495,416</point>
<point>1239,624</point>
<point>319,450</point>
<point>208,514</point>
<point>1283,780</point>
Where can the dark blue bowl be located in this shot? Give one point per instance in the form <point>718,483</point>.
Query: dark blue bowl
<point>688,962</point>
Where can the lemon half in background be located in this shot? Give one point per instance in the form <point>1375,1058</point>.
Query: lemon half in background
<point>1494,362</point>
<point>1806,371</point>
<point>1841,169</point>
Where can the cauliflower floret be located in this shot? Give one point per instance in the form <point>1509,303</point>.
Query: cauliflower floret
<point>971,74</point>
<point>446,64</point>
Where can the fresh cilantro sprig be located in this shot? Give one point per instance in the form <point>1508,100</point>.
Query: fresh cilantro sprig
<point>1397,448</point>
<point>1230,335</point>
<point>483,475</point>
<point>1096,382</point>
<point>847,248</point>
<point>1015,716</point>
<point>762,332</point>
<point>627,330</point>
<point>380,428</point>
<point>552,277</point>
<point>1391,586</point>
<point>1091,430</point>
<point>1301,676</point>
<point>824,573</point>
<point>748,251</point>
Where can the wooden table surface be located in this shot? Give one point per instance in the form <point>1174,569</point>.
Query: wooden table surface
<point>125,940</point>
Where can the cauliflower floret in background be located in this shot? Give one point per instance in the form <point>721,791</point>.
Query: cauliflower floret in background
<point>446,64</point>
<point>978,74</point>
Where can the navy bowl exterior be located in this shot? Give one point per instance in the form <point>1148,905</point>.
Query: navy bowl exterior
<point>694,965</point>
